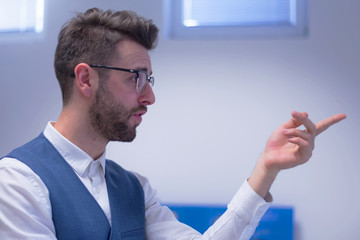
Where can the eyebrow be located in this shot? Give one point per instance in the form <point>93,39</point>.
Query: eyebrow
<point>143,70</point>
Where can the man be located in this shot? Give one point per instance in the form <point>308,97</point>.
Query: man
<point>60,185</point>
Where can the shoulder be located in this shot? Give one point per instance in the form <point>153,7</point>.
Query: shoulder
<point>20,182</point>
<point>25,197</point>
<point>118,173</point>
<point>149,192</point>
<point>15,171</point>
<point>13,167</point>
<point>142,179</point>
<point>151,196</point>
<point>113,166</point>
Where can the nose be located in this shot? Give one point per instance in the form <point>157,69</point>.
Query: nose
<point>147,97</point>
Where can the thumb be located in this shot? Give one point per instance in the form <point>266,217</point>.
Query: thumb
<point>293,123</point>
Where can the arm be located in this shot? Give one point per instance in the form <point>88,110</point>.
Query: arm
<point>238,222</point>
<point>25,210</point>
<point>287,147</point>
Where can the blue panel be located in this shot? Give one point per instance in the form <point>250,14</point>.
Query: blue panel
<point>277,223</point>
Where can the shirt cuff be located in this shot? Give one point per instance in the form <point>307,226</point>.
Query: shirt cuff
<point>250,206</point>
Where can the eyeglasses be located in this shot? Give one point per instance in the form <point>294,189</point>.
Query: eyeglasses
<point>141,76</point>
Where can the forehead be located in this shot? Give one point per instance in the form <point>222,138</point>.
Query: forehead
<point>131,54</point>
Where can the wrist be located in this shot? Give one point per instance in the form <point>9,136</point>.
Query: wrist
<point>262,177</point>
<point>266,168</point>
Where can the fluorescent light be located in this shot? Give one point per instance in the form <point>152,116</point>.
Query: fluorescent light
<point>17,16</point>
<point>39,16</point>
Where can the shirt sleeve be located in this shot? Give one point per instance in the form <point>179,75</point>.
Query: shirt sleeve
<point>238,222</point>
<point>25,209</point>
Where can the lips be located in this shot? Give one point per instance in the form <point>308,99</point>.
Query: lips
<point>138,115</point>
<point>140,112</point>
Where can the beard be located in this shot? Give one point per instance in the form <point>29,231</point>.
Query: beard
<point>110,119</point>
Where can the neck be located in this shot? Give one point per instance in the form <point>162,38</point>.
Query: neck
<point>74,126</point>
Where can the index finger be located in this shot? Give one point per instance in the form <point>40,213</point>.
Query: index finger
<point>326,123</point>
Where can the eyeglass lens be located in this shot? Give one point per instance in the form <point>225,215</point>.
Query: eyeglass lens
<point>143,78</point>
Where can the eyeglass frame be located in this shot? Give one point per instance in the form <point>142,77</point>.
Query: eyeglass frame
<point>149,79</point>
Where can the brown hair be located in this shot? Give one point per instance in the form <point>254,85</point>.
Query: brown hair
<point>91,37</point>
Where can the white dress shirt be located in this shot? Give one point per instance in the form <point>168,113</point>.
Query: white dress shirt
<point>25,207</point>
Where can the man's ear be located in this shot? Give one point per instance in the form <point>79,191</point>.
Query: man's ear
<point>85,79</point>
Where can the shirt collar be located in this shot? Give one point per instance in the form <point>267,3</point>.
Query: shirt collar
<point>73,155</point>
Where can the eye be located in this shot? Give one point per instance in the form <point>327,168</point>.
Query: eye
<point>133,78</point>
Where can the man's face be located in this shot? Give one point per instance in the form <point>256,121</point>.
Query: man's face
<point>118,108</point>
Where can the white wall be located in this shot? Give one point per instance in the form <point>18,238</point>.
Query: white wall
<point>217,102</point>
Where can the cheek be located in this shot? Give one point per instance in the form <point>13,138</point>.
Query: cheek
<point>128,99</point>
<point>122,93</point>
